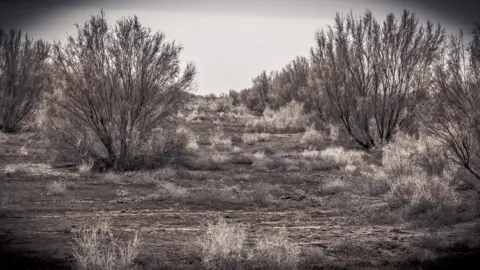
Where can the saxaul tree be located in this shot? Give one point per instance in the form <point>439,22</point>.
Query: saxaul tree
<point>290,83</point>
<point>455,120</point>
<point>371,71</point>
<point>116,85</point>
<point>23,77</point>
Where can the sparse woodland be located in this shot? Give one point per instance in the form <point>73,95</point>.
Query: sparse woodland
<point>364,154</point>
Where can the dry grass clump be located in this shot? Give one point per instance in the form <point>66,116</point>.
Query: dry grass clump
<point>312,136</point>
<point>56,188</point>
<point>220,105</point>
<point>253,138</point>
<point>407,155</point>
<point>334,186</point>
<point>221,141</point>
<point>169,191</point>
<point>96,248</point>
<point>85,167</point>
<point>288,119</point>
<point>275,251</point>
<point>240,110</point>
<point>224,246</point>
<point>423,195</point>
<point>343,157</point>
<point>309,160</point>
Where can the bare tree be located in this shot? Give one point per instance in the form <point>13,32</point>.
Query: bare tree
<point>258,99</point>
<point>116,85</point>
<point>370,71</point>
<point>23,77</point>
<point>456,118</point>
<point>290,83</point>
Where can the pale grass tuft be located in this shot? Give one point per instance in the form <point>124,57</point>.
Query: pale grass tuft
<point>253,138</point>
<point>407,155</point>
<point>220,158</point>
<point>275,251</point>
<point>288,119</point>
<point>3,137</point>
<point>312,136</point>
<point>222,245</point>
<point>311,154</point>
<point>429,197</point>
<point>85,167</point>
<point>343,157</point>
<point>259,155</point>
<point>221,142</point>
<point>192,144</point>
<point>334,186</point>
<point>56,188</point>
<point>96,248</point>
<point>171,191</point>
<point>168,191</point>
<point>23,150</point>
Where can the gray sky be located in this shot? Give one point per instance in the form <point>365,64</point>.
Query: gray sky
<point>229,41</point>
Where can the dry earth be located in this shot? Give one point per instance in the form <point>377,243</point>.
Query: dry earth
<point>37,225</point>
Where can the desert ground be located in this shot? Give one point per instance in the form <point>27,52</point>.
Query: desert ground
<point>268,183</point>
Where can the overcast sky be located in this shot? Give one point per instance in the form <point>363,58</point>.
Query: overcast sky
<point>229,41</point>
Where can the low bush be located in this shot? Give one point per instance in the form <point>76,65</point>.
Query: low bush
<point>288,119</point>
<point>96,248</point>
<point>224,246</point>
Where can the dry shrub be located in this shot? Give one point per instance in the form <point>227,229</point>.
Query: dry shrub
<point>408,155</point>
<point>220,105</point>
<point>240,110</point>
<point>423,196</point>
<point>342,157</point>
<point>288,119</point>
<point>306,161</point>
<point>220,141</point>
<point>334,186</point>
<point>24,76</point>
<point>169,191</point>
<point>253,138</point>
<point>96,248</point>
<point>275,251</point>
<point>115,86</point>
<point>223,246</point>
<point>56,188</point>
<point>312,136</point>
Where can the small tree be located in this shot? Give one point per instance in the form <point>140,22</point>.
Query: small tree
<point>456,117</point>
<point>23,77</point>
<point>290,83</point>
<point>116,85</point>
<point>257,99</point>
<point>370,72</point>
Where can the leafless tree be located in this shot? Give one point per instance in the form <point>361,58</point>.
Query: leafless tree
<point>116,85</point>
<point>290,83</point>
<point>257,99</point>
<point>371,70</point>
<point>23,77</point>
<point>456,118</point>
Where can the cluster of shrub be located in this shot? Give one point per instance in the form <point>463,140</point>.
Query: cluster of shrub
<point>107,94</point>
<point>376,79</point>
<point>103,97</point>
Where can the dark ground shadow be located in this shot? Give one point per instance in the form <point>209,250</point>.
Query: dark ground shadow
<point>459,258</point>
